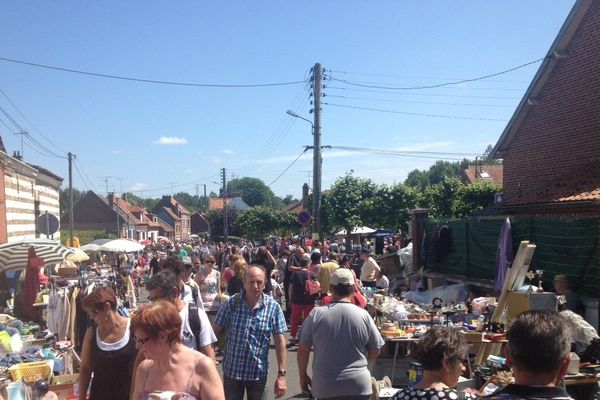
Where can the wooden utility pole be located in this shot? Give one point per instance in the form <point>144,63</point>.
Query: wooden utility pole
<point>70,158</point>
<point>224,195</point>
<point>317,162</point>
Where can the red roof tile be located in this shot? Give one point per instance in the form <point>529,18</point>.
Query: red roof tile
<point>171,213</point>
<point>579,184</point>
<point>474,173</point>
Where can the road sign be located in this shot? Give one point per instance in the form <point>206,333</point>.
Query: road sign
<point>305,232</point>
<point>303,217</point>
<point>47,224</point>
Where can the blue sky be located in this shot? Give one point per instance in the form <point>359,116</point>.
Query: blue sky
<point>150,138</point>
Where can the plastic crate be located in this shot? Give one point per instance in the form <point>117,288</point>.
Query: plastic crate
<point>31,372</point>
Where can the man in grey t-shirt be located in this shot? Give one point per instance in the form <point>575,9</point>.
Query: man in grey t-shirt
<point>344,339</point>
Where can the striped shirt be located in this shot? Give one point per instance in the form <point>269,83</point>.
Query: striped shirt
<point>249,335</point>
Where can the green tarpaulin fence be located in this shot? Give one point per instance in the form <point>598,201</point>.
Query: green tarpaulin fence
<point>468,248</point>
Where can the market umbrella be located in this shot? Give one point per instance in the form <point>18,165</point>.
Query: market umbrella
<point>122,246</point>
<point>380,233</point>
<point>14,255</point>
<point>361,230</point>
<point>94,245</point>
<point>78,255</point>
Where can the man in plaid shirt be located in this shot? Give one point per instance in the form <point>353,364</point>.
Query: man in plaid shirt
<point>250,319</point>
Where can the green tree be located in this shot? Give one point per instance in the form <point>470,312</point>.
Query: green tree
<point>349,203</point>
<point>441,197</point>
<point>215,220</point>
<point>253,191</point>
<point>392,205</point>
<point>417,179</point>
<point>260,222</point>
<point>434,175</point>
<point>64,199</point>
<point>147,203</point>
<point>475,197</point>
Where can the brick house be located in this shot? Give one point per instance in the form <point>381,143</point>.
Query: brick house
<point>26,192</point>
<point>175,215</point>
<point>489,173</point>
<point>97,213</point>
<point>551,145</point>
<point>199,222</point>
<point>216,203</point>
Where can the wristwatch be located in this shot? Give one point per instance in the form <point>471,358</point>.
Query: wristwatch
<point>281,372</point>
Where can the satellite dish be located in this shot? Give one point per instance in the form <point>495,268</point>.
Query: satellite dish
<point>47,224</point>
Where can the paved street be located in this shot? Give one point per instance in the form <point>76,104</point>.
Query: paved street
<point>293,382</point>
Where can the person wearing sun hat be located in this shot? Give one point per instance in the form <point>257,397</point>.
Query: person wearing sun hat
<point>344,340</point>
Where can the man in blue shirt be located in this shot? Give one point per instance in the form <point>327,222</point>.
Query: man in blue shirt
<point>250,319</point>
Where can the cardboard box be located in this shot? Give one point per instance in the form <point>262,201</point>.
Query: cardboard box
<point>573,368</point>
<point>66,387</point>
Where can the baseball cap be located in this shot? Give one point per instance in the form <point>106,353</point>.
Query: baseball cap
<point>342,276</point>
<point>364,250</point>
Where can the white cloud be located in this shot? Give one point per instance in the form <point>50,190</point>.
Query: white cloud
<point>214,160</point>
<point>227,151</point>
<point>170,140</point>
<point>138,186</point>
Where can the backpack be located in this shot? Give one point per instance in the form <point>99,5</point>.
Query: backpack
<point>194,290</point>
<point>194,320</point>
<point>312,287</point>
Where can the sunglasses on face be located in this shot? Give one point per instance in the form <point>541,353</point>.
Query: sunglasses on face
<point>209,262</point>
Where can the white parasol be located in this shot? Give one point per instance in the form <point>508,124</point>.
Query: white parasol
<point>121,246</point>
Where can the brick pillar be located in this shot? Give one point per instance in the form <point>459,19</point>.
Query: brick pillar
<point>417,230</point>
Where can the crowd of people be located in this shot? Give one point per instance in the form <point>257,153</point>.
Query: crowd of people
<point>224,305</point>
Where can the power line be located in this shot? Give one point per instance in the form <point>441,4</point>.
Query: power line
<point>288,167</point>
<point>80,170</point>
<point>393,153</point>
<point>158,82</point>
<point>413,77</point>
<point>200,180</point>
<point>419,94</point>
<point>28,121</point>
<point>81,176</point>
<point>419,102</point>
<point>42,147</point>
<point>415,114</point>
<point>440,84</point>
<point>445,153</point>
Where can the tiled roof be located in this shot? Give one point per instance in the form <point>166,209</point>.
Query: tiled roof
<point>579,184</point>
<point>182,209</point>
<point>166,227</point>
<point>474,173</point>
<point>171,213</point>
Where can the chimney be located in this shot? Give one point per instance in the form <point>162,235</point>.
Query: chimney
<point>111,199</point>
<point>17,155</point>
<point>124,196</point>
<point>305,196</point>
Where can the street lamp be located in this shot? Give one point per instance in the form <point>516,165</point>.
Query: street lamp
<point>293,114</point>
<point>317,162</point>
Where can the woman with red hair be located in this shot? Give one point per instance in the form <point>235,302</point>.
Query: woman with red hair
<point>108,349</point>
<point>170,370</point>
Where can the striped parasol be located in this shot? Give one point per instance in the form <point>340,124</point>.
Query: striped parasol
<point>13,255</point>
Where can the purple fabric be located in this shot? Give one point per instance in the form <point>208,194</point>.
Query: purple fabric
<point>504,255</point>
